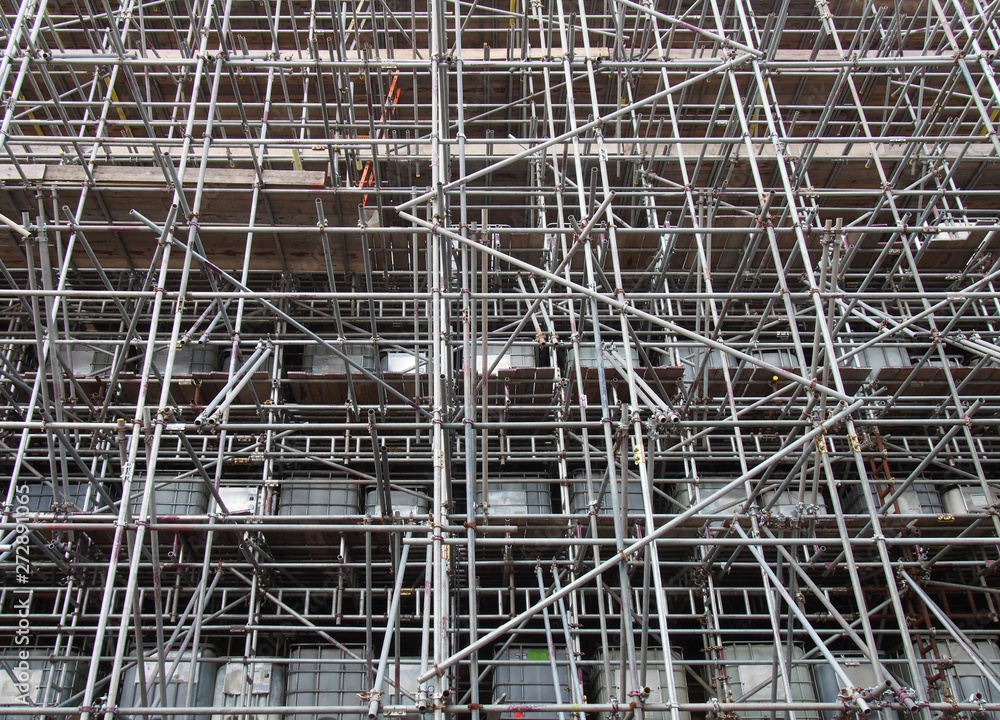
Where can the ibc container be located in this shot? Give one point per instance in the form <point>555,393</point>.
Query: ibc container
<point>42,495</point>
<point>689,493</point>
<point>188,359</point>
<point>320,359</point>
<point>588,356</point>
<point>404,362</point>
<point>858,669</point>
<point>316,496</point>
<point>880,356</point>
<point>580,504</point>
<point>404,504</point>
<point>965,500</point>
<point>190,684</point>
<point>188,496</point>
<point>409,686</point>
<point>778,358</point>
<point>241,499</point>
<point>964,679</point>
<point>786,503</point>
<point>89,360</point>
<point>951,360</point>
<point>655,679</point>
<point>254,684</point>
<point>49,683</point>
<point>525,678</point>
<point>323,676</point>
<point>530,497</point>
<point>517,356</point>
<point>750,666</point>
<point>716,359</point>
<point>920,498</point>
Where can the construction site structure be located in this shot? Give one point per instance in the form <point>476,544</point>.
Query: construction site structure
<point>500,359</point>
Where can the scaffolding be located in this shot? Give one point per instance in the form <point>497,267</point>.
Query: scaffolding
<point>500,359</point>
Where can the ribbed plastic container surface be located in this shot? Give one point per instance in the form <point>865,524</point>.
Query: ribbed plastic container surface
<point>323,676</point>
<point>655,679</point>
<point>173,497</point>
<point>579,499</point>
<point>921,498</point>
<point>403,362</point>
<point>81,361</point>
<point>321,359</point>
<point>49,684</point>
<point>786,503</point>
<point>89,360</point>
<point>256,684</point>
<point>517,498</point>
<point>727,504</point>
<point>716,359</point>
<point>880,356</point>
<point>312,496</point>
<point>964,678</point>
<point>191,684</point>
<point>189,359</point>
<point>778,357</point>
<point>517,356</point>
<point>526,679</point>
<point>588,356</point>
<point>751,674</point>
<point>42,496</point>
<point>858,669</point>
<point>404,505</point>
<point>408,687</point>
